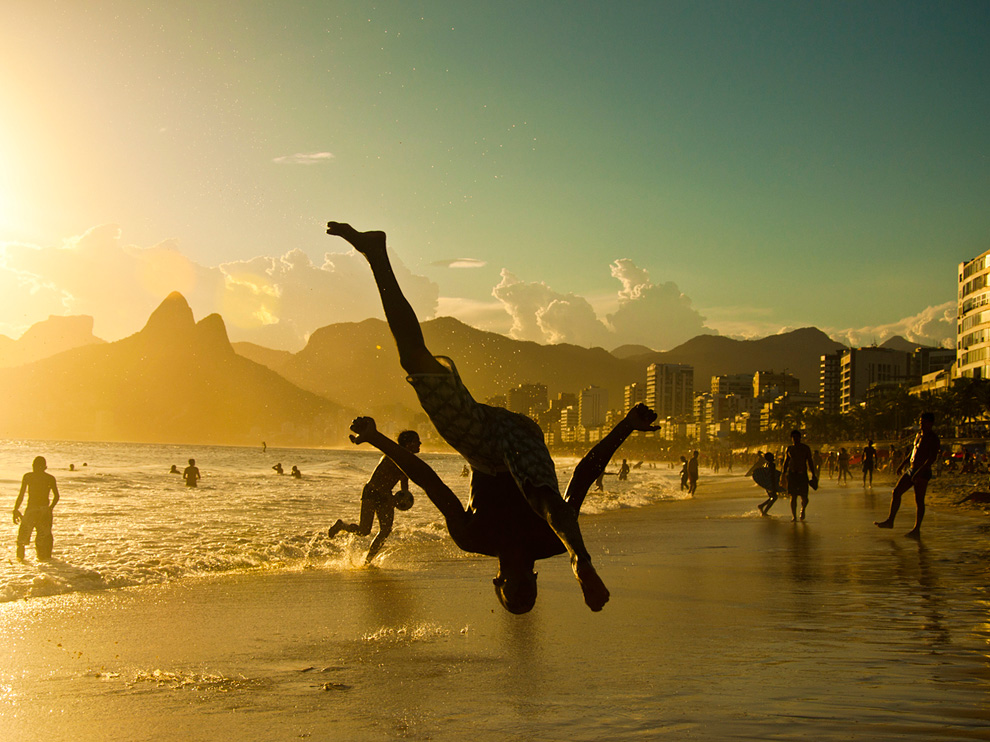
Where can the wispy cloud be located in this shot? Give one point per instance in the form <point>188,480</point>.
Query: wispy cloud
<point>304,158</point>
<point>460,263</point>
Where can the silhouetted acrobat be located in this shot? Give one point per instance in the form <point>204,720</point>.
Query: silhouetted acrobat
<point>510,463</point>
<point>37,515</point>
<point>377,498</point>
<point>919,462</point>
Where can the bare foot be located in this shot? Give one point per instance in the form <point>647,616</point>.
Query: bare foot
<point>884,523</point>
<point>363,242</point>
<point>596,595</point>
<point>914,533</point>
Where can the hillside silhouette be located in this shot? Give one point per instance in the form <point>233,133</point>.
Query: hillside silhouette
<point>174,381</point>
<point>44,339</point>
<point>358,363</point>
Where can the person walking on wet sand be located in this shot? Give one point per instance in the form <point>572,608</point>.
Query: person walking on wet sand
<point>844,474</point>
<point>764,507</point>
<point>922,456</point>
<point>506,451</point>
<point>191,474</point>
<point>869,462</point>
<point>37,515</point>
<point>797,473</point>
<point>500,523</point>
<point>377,499</point>
<point>692,472</point>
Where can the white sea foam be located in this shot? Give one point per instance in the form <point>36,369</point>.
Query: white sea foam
<point>124,520</point>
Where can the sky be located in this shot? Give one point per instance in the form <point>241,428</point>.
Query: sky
<point>588,172</point>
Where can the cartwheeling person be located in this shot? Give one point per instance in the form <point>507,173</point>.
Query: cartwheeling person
<point>505,450</point>
<point>501,523</point>
<point>37,515</point>
<point>377,498</point>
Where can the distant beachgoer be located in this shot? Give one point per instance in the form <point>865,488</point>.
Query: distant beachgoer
<point>174,470</point>
<point>869,462</point>
<point>624,471</point>
<point>191,474</point>
<point>295,472</point>
<point>764,507</point>
<point>37,515</point>
<point>684,473</point>
<point>264,447</point>
<point>278,468</point>
<point>922,456</point>
<point>501,523</point>
<point>506,450</point>
<point>798,473</point>
<point>377,498</point>
<point>844,474</point>
<point>72,467</point>
<point>816,458</point>
<point>692,473</point>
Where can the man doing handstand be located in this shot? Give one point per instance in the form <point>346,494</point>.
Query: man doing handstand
<point>506,450</point>
<point>501,523</point>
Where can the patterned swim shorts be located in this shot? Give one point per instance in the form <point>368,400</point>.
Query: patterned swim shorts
<point>492,439</point>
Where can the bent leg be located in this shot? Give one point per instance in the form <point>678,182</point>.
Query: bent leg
<point>386,515</point>
<point>414,356</point>
<point>902,486</point>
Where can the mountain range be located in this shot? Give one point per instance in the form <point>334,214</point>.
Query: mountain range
<point>178,380</point>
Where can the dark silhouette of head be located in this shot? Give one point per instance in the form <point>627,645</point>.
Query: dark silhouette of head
<point>39,463</point>
<point>409,439</point>
<point>516,592</point>
<point>796,436</point>
<point>768,457</point>
<point>192,462</point>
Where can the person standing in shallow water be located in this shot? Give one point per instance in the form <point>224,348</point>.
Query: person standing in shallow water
<point>377,499</point>
<point>37,515</point>
<point>191,474</point>
<point>797,473</point>
<point>923,454</point>
<point>506,451</point>
<point>692,472</point>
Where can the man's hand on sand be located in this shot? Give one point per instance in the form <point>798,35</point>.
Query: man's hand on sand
<point>642,418</point>
<point>363,242</point>
<point>364,428</point>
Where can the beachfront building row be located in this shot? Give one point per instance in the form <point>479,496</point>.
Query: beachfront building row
<point>847,376</point>
<point>973,321</point>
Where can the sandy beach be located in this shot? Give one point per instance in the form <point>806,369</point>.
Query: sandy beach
<point>722,624</point>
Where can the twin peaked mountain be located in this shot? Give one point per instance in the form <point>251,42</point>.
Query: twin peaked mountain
<point>181,381</point>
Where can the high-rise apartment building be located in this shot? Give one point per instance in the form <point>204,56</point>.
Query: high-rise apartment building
<point>670,389</point>
<point>973,322</point>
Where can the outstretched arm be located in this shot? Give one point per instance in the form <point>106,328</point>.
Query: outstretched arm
<point>594,462</point>
<point>412,466</point>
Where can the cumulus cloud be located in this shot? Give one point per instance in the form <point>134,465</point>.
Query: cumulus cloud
<point>274,301</point>
<point>304,158</point>
<point>934,326</point>
<point>658,316</point>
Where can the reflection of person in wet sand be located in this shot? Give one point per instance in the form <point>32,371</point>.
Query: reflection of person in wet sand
<point>794,473</point>
<point>501,523</point>
<point>37,515</point>
<point>506,451</point>
<point>191,474</point>
<point>377,499</point>
<point>922,456</point>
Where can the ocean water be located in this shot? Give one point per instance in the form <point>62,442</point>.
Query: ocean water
<point>123,520</point>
